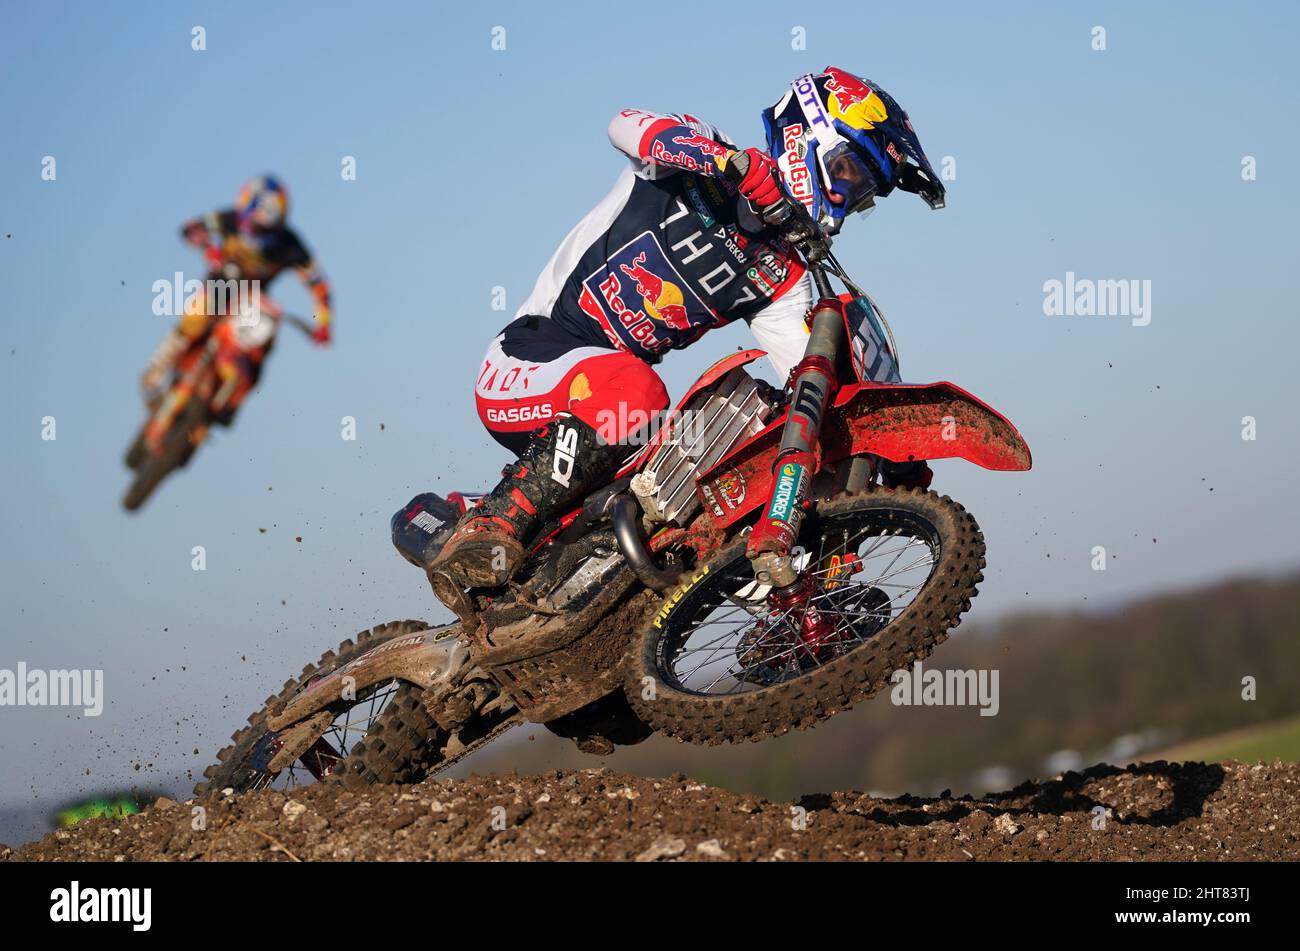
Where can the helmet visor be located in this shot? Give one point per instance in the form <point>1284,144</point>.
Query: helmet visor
<point>850,182</point>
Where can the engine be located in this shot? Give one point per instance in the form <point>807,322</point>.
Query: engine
<point>707,428</point>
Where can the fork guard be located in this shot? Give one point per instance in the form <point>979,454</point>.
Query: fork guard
<point>900,421</point>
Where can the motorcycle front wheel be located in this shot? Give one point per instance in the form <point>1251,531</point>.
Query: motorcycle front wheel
<point>888,574</point>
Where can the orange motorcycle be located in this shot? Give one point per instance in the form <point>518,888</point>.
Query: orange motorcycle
<point>210,381</point>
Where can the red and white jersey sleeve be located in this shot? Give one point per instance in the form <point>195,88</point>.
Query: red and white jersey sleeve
<point>659,144</point>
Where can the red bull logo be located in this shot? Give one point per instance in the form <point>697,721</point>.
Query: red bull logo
<point>640,300</point>
<point>703,159</point>
<point>798,179</point>
<point>845,87</point>
<point>663,299</point>
<point>852,101</point>
<point>703,144</point>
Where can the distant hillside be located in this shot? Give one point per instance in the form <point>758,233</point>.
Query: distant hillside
<point>1084,686</point>
<point>1262,742</point>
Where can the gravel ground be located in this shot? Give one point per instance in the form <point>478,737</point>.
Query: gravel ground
<point>1179,811</point>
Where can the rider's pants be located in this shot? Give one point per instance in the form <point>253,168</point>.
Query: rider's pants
<point>534,370</point>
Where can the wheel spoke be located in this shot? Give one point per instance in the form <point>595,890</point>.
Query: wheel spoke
<point>351,725</point>
<point>740,643</point>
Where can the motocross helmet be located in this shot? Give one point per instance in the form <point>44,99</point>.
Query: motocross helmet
<point>840,142</point>
<point>261,208</point>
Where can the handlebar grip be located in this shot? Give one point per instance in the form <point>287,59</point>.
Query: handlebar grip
<point>737,167</point>
<point>778,213</point>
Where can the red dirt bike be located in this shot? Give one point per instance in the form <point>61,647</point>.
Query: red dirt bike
<point>181,416</point>
<point>745,574</point>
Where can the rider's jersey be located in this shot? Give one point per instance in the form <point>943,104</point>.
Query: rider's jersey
<point>285,250</point>
<point>264,261</point>
<point>672,252</point>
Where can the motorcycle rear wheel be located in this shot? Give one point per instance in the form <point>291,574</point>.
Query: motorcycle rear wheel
<point>384,735</point>
<point>720,663</point>
<point>135,453</point>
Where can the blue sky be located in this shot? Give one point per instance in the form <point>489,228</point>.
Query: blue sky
<point>472,164</point>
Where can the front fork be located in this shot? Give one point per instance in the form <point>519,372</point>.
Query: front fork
<point>177,396</point>
<point>813,384</point>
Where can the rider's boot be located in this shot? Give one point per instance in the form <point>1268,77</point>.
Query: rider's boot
<point>563,463</point>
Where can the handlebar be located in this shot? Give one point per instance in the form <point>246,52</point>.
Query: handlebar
<point>790,217</point>
<point>231,271</point>
<point>301,323</point>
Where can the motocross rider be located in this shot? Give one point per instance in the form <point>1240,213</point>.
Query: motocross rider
<point>674,250</point>
<point>251,242</point>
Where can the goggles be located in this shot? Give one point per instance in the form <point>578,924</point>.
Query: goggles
<point>849,179</point>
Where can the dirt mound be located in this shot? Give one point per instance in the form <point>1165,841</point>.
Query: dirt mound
<point>1180,811</point>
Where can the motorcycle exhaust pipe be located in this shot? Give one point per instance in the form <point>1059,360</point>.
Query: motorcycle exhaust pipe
<point>624,511</point>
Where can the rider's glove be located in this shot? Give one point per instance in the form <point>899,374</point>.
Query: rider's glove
<point>321,335</point>
<point>760,183</point>
<point>195,232</point>
<point>212,255</point>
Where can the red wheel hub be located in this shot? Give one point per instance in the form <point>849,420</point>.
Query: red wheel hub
<point>816,627</point>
